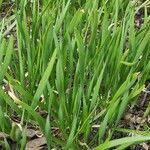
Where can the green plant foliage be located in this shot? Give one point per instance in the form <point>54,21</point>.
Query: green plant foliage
<point>82,62</point>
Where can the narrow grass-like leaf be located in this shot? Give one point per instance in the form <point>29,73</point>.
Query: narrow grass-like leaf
<point>4,66</point>
<point>9,101</point>
<point>126,140</point>
<point>44,80</point>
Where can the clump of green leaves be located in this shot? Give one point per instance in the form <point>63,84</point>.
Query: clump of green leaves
<point>81,62</point>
